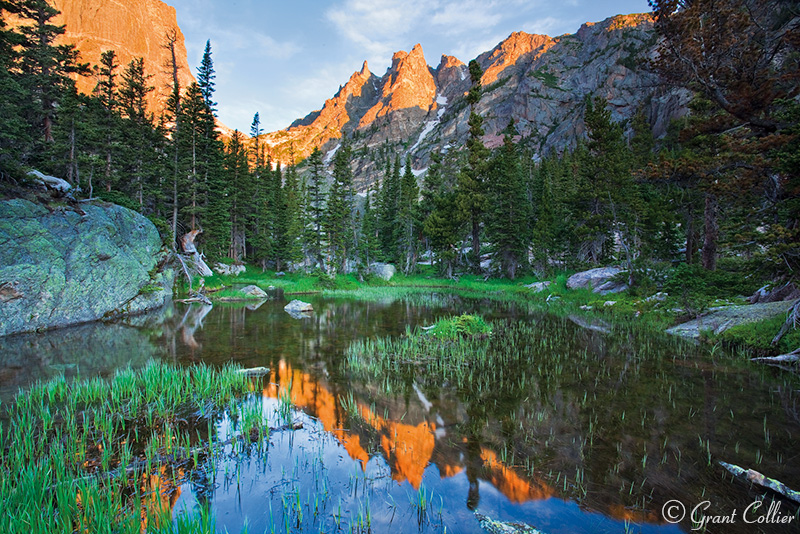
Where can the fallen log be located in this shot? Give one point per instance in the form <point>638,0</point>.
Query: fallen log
<point>792,318</point>
<point>760,480</point>
<point>791,357</point>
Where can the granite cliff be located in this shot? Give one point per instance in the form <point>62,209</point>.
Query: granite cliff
<point>540,82</point>
<point>130,28</point>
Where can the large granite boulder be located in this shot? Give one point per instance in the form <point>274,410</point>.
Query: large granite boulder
<point>229,270</point>
<point>600,280</point>
<point>382,270</point>
<point>718,320</point>
<point>254,292</point>
<point>62,266</point>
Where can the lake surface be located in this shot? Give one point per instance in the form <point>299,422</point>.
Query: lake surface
<point>598,430</point>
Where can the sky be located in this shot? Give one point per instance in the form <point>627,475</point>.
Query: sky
<point>283,59</point>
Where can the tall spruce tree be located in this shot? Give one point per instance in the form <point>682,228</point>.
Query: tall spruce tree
<point>44,67</point>
<point>442,226</point>
<point>471,186</point>
<point>315,207</point>
<point>507,215</point>
<point>339,211</point>
<point>407,219</point>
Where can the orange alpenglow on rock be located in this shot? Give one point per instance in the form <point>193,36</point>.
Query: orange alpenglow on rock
<point>408,84</point>
<point>131,29</point>
<point>518,45</point>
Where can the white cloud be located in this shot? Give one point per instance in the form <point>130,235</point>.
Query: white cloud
<point>381,27</point>
<point>548,26</point>
<point>459,17</point>
<point>471,49</point>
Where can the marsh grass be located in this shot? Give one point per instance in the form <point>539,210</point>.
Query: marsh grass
<point>74,455</point>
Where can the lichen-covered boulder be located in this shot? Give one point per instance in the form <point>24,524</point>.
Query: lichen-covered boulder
<point>62,266</point>
<point>600,280</point>
<point>383,270</point>
<point>229,270</point>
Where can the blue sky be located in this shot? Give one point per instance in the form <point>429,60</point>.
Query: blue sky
<point>282,59</point>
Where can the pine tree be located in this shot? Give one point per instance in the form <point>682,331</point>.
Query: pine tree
<point>44,67</point>
<point>206,76</point>
<point>507,215</point>
<point>407,219</point>
<point>193,185</point>
<point>339,211</point>
<point>290,242</point>
<point>240,190</point>
<point>442,226</point>
<point>368,243</point>
<point>137,129</point>
<point>106,93</point>
<point>607,199</point>
<point>471,186</point>
<point>389,198</point>
<point>315,207</point>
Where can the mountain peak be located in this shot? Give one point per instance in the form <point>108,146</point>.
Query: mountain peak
<point>364,69</point>
<point>518,48</point>
<point>407,84</point>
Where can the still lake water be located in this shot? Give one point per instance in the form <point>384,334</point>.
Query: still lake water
<point>597,440</point>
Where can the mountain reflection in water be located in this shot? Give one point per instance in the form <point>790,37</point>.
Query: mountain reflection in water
<point>601,439</point>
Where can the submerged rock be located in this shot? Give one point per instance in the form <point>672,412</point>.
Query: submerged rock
<point>595,325</point>
<point>299,309</point>
<point>721,319</point>
<point>498,527</point>
<point>600,280</point>
<point>62,265</point>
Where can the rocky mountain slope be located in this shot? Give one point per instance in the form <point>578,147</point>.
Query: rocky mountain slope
<point>539,81</point>
<point>130,28</point>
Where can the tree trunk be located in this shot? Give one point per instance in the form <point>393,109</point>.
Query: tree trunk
<point>711,233</point>
<point>689,237</point>
<point>476,241</point>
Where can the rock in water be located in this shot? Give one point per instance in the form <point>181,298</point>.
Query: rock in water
<point>299,309</point>
<point>498,527</point>
<point>255,292</point>
<point>600,280</point>
<point>64,267</point>
<point>382,270</point>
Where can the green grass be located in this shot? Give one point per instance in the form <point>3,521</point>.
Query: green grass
<point>461,326</point>
<point>758,336</point>
<point>72,452</point>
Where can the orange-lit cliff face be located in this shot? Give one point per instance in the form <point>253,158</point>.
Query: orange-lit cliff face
<point>518,47</point>
<point>130,28</point>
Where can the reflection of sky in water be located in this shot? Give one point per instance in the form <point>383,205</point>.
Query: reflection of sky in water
<point>416,438</point>
<point>326,458</point>
<point>313,462</point>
